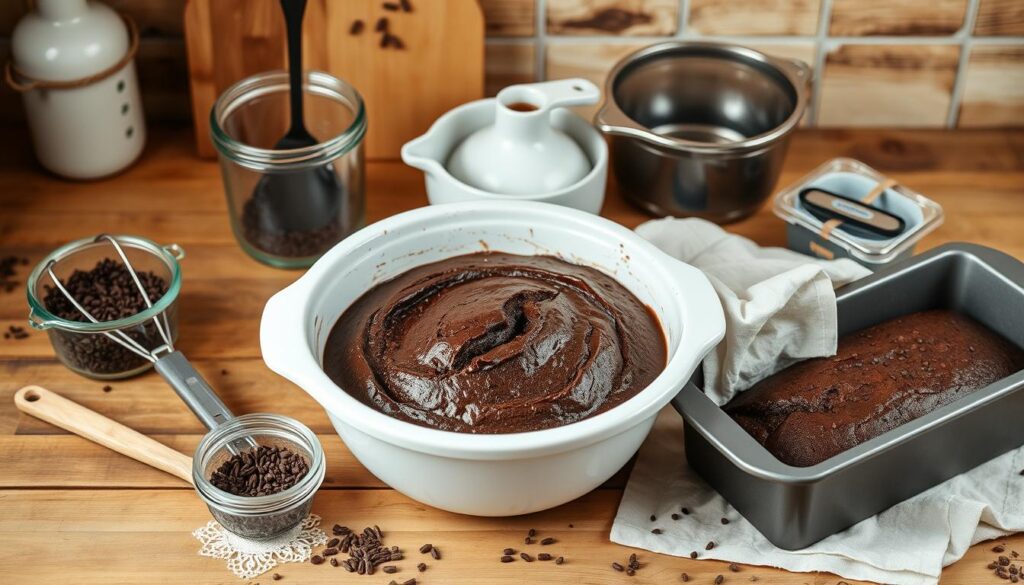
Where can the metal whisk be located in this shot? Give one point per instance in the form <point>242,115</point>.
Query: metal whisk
<point>170,363</point>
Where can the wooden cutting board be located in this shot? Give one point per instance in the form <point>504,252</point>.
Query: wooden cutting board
<point>405,90</point>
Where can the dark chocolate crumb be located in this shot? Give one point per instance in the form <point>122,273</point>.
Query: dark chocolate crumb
<point>676,516</point>
<point>357,27</point>
<point>685,511</point>
<point>276,577</point>
<point>693,554</point>
<point>107,388</point>
<point>559,560</point>
<point>421,567</point>
<point>719,580</point>
<point>656,531</point>
<point>710,545</point>
<point>725,520</point>
<point>734,567</point>
<point>684,577</point>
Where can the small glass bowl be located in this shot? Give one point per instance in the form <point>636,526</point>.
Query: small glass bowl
<point>258,517</point>
<point>84,346</point>
<point>246,123</point>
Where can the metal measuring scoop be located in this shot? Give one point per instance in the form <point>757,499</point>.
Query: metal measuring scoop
<point>172,365</point>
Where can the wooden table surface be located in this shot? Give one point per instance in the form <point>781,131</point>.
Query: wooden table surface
<point>74,512</point>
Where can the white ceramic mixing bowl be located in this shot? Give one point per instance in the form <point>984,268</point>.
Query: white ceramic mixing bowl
<point>490,475</point>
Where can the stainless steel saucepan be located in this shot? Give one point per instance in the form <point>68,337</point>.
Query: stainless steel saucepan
<point>701,129</point>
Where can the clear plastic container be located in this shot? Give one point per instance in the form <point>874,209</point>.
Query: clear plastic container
<point>258,517</point>
<point>288,228</point>
<point>853,179</point>
<point>85,347</point>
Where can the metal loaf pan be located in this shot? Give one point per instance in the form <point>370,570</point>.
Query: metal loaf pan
<point>797,506</point>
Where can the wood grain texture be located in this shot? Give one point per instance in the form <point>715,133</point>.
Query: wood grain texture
<point>509,18</point>
<point>509,65</point>
<point>897,17</point>
<point>114,521</point>
<point>999,18</point>
<point>993,87</point>
<point>754,17</point>
<point>404,90</point>
<point>617,17</point>
<point>887,85</point>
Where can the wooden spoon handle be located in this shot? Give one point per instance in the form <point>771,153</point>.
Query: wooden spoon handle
<point>57,410</point>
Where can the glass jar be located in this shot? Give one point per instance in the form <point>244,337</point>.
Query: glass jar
<point>258,517</point>
<point>88,348</point>
<point>274,222</point>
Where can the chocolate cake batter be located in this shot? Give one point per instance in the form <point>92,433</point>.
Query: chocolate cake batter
<point>495,343</point>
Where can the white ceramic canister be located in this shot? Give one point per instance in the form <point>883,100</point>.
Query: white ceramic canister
<point>73,62</point>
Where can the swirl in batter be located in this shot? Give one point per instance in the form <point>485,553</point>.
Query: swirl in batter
<point>495,343</point>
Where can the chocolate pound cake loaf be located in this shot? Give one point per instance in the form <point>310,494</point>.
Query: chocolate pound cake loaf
<point>880,378</point>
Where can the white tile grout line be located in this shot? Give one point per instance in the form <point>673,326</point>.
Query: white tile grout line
<point>540,32</point>
<point>683,19</point>
<point>956,96</point>
<point>820,52</point>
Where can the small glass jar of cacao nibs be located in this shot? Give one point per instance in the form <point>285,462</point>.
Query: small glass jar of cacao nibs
<point>290,204</point>
<point>273,498</point>
<point>92,272</point>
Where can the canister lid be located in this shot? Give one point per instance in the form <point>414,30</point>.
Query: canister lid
<point>854,181</point>
<point>64,40</point>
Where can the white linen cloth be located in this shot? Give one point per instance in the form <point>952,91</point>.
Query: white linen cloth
<point>780,308</point>
<point>907,544</point>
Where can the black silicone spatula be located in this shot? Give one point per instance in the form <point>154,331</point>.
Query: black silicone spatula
<point>304,199</point>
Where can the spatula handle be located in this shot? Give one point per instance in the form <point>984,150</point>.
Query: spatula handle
<point>57,410</point>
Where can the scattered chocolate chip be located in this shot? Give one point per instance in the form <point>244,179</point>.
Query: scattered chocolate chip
<point>406,5</point>
<point>676,516</point>
<point>693,554</point>
<point>630,571</point>
<point>618,567</point>
<point>527,540</point>
<point>710,545</point>
<point>653,517</point>
<point>725,520</point>
<point>382,24</point>
<point>684,577</point>
<point>656,531</point>
<point>317,560</point>
<point>421,567</point>
<point>390,569</point>
<point>544,557</point>
<point>409,581</point>
<point>559,560</point>
<point>719,580</point>
<point>391,6</point>
<point>276,577</point>
<point>532,532</point>
<point>507,559</point>
<point>357,27</point>
<point>734,567</point>
<point>436,553</point>
<point>426,548</point>
<point>548,541</point>
<point>108,388</point>
<point>526,557</point>
<point>685,511</point>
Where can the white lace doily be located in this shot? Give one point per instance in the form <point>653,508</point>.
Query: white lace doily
<point>249,558</point>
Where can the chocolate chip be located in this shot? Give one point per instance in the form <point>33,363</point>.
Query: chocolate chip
<point>656,531</point>
<point>653,517</point>
<point>357,27</point>
<point>421,567</point>
<point>276,577</point>
<point>317,560</point>
<point>426,548</point>
<point>532,532</point>
<point>725,520</point>
<point>618,567</point>
<point>685,511</point>
<point>676,516</point>
<point>526,557</point>
<point>548,541</point>
<point>544,557</point>
<point>734,567</point>
<point>684,577</point>
<point>559,560</point>
<point>693,554</point>
<point>390,569</point>
<point>506,559</point>
<point>436,553</point>
<point>710,545</point>
<point>719,580</point>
